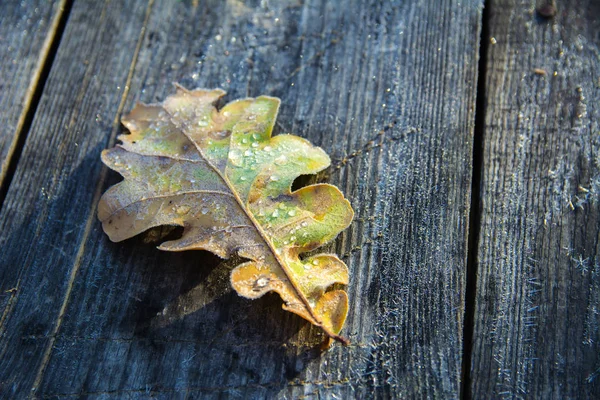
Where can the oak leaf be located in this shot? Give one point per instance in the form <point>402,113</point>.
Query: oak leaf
<point>221,176</point>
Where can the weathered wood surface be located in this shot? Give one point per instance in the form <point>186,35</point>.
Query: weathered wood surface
<point>386,88</point>
<point>27,31</point>
<point>43,220</point>
<point>538,293</point>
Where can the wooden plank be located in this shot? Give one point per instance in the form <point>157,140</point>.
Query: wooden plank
<point>27,32</point>
<point>42,222</point>
<point>536,323</point>
<point>387,89</point>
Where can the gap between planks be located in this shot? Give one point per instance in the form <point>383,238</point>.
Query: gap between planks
<point>92,213</point>
<point>475,207</point>
<point>33,95</point>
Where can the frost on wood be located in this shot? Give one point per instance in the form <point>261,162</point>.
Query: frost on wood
<point>221,176</point>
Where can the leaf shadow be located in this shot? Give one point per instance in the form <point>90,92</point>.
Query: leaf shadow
<point>237,336</point>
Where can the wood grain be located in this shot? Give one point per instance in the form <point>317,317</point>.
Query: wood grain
<point>537,320</point>
<point>43,219</point>
<point>27,31</point>
<point>386,88</point>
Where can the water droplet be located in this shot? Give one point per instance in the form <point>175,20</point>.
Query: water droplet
<point>282,159</point>
<point>306,266</point>
<point>282,206</point>
<point>235,158</point>
<point>293,238</point>
<point>247,153</point>
<point>202,123</point>
<point>261,282</point>
<point>304,224</point>
<point>242,178</point>
<point>291,213</point>
<point>192,181</point>
<point>255,144</point>
<point>226,113</point>
<point>268,148</point>
<point>255,136</point>
<point>315,262</point>
<point>244,140</point>
<point>274,178</point>
<point>204,210</point>
<point>275,214</point>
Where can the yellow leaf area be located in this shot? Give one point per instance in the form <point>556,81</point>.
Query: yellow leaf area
<point>221,176</point>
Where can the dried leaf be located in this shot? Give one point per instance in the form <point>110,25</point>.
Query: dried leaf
<point>221,176</point>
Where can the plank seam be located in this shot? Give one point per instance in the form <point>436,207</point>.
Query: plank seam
<point>33,96</point>
<point>90,220</point>
<point>475,207</point>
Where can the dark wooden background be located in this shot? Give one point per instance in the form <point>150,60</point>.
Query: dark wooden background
<point>464,133</point>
